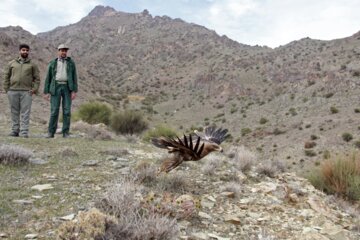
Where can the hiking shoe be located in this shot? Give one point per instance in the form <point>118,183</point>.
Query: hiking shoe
<point>14,134</point>
<point>66,135</point>
<point>49,135</point>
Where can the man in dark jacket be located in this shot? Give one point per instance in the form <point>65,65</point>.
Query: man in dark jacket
<point>60,84</point>
<point>21,81</point>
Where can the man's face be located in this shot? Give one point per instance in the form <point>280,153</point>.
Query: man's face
<point>24,52</point>
<point>62,53</point>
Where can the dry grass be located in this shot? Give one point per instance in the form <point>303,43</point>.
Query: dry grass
<point>242,158</point>
<point>136,219</point>
<point>339,176</point>
<point>13,155</point>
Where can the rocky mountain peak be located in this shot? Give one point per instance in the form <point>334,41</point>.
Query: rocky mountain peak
<point>100,11</point>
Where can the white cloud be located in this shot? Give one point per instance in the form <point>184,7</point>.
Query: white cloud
<point>43,15</point>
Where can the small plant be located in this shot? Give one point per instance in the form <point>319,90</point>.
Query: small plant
<point>95,112</point>
<point>329,95</point>
<point>309,144</point>
<point>13,155</point>
<point>293,111</point>
<point>245,131</point>
<point>263,120</point>
<point>314,137</point>
<point>357,144</point>
<point>310,153</point>
<point>357,110</point>
<point>128,122</point>
<point>347,137</point>
<point>334,110</point>
<point>159,131</point>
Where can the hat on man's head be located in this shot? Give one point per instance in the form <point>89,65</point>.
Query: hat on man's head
<point>63,46</point>
<point>23,45</point>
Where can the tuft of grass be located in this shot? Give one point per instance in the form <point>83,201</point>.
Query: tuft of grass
<point>14,155</point>
<point>134,219</point>
<point>339,176</point>
<point>243,159</point>
<point>159,131</point>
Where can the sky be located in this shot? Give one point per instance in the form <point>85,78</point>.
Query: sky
<point>254,22</point>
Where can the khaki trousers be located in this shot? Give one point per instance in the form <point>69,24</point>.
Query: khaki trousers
<point>20,107</point>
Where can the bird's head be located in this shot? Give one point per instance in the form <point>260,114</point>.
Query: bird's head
<point>215,148</point>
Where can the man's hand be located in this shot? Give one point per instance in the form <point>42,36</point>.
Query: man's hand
<point>47,96</point>
<point>73,95</point>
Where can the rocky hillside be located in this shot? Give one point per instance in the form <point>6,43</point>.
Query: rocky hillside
<point>215,198</point>
<point>184,75</point>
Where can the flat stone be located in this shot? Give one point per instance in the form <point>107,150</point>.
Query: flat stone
<point>200,235</point>
<point>3,235</point>
<point>23,201</point>
<point>31,236</point>
<point>37,161</point>
<point>42,187</point>
<point>68,217</point>
<point>232,219</point>
<point>204,215</point>
<point>217,237</point>
<point>91,163</point>
<point>228,194</point>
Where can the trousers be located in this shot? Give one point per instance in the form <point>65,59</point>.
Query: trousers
<point>20,108</point>
<point>62,96</point>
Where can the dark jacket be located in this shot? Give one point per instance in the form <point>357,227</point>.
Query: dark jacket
<point>49,86</point>
<point>20,75</point>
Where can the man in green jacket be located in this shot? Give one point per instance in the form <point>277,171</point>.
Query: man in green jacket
<point>60,84</point>
<point>21,82</point>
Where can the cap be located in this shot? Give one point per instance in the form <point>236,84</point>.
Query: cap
<point>62,46</point>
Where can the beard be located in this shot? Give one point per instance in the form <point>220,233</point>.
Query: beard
<point>24,55</point>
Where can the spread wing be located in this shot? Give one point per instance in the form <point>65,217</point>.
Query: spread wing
<point>214,135</point>
<point>188,149</point>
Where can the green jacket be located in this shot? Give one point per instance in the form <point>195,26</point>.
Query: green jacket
<point>20,75</point>
<point>49,86</point>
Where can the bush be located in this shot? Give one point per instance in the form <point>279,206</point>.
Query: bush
<point>263,120</point>
<point>245,131</point>
<point>128,122</point>
<point>95,112</point>
<point>310,153</point>
<point>339,176</point>
<point>347,137</point>
<point>334,110</point>
<point>159,131</point>
<point>12,155</point>
<point>309,144</point>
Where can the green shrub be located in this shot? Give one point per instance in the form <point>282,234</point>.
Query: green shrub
<point>263,120</point>
<point>159,131</point>
<point>310,153</point>
<point>347,137</point>
<point>245,131</point>
<point>128,122</point>
<point>334,110</point>
<point>339,176</point>
<point>95,112</point>
<point>357,110</point>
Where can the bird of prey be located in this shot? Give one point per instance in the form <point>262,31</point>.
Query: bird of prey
<point>191,147</point>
